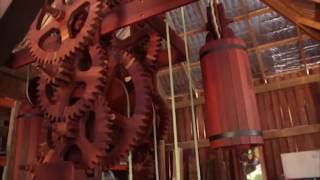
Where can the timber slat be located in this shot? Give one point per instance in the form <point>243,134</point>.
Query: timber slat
<point>267,135</point>
<point>3,161</point>
<point>6,102</point>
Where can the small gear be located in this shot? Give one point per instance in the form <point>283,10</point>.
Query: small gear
<point>143,43</point>
<point>152,51</point>
<point>59,74</point>
<point>94,134</point>
<point>70,27</point>
<point>88,81</point>
<point>83,142</point>
<point>128,130</point>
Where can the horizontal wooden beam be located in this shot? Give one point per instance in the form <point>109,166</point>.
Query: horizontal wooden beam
<point>3,161</point>
<point>120,168</point>
<point>289,10</point>
<point>289,132</point>
<point>136,11</point>
<point>202,143</point>
<point>287,83</point>
<point>11,86</point>
<point>267,135</point>
<point>6,102</point>
<point>260,88</point>
<point>234,19</point>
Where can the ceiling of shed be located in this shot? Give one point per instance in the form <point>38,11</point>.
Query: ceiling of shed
<point>275,45</point>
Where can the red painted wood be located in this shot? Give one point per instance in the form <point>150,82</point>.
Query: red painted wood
<point>229,93</point>
<point>3,161</point>
<point>6,102</point>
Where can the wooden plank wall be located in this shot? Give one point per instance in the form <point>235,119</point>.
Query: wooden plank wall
<point>184,123</point>
<point>278,109</point>
<point>286,108</point>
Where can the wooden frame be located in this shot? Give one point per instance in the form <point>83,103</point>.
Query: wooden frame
<point>267,135</point>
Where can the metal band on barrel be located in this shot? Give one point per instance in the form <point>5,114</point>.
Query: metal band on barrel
<point>221,48</point>
<point>233,134</point>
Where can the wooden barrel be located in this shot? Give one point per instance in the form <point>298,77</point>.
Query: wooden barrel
<point>231,108</point>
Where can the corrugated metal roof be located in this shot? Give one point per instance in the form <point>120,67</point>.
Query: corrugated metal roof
<point>268,27</point>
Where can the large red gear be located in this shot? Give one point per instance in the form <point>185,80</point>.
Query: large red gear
<point>83,142</point>
<point>88,81</point>
<point>73,26</point>
<point>143,162</point>
<point>59,74</point>
<point>128,75</point>
<point>162,116</point>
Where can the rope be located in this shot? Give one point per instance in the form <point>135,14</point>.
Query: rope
<point>194,128</point>
<point>155,143</point>
<point>28,84</point>
<point>216,26</point>
<point>173,104</point>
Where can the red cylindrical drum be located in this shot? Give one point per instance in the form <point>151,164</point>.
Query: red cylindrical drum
<point>232,114</point>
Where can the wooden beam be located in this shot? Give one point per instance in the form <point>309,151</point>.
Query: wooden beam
<point>120,168</point>
<point>284,8</point>
<point>234,19</point>
<point>185,102</point>
<point>289,132</point>
<point>3,161</point>
<point>267,135</point>
<point>301,50</point>
<point>162,160</point>
<point>287,83</point>
<point>203,143</point>
<point>260,88</point>
<point>159,25</point>
<point>6,102</point>
<point>136,11</point>
<point>252,14</point>
<point>12,86</point>
<point>11,140</point>
<point>255,42</point>
<point>278,43</point>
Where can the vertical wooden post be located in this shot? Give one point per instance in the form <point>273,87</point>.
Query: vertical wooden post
<point>162,160</point>
<point>8,170</point>
<point>181,165</point>
<point>3,161</point>
<point>262,162</point>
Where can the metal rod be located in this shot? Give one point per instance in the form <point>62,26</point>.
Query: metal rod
<point>155,144</point>
<point>130,173</point>
<point>173,104</point>
<point>194,127</point>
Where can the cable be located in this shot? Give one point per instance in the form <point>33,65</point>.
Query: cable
<point>216,27</point>
<point>173,104</point>
<point>130,174</point>
<point>194,128</point>
<point>27,84</point>
<point>155,143</point>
